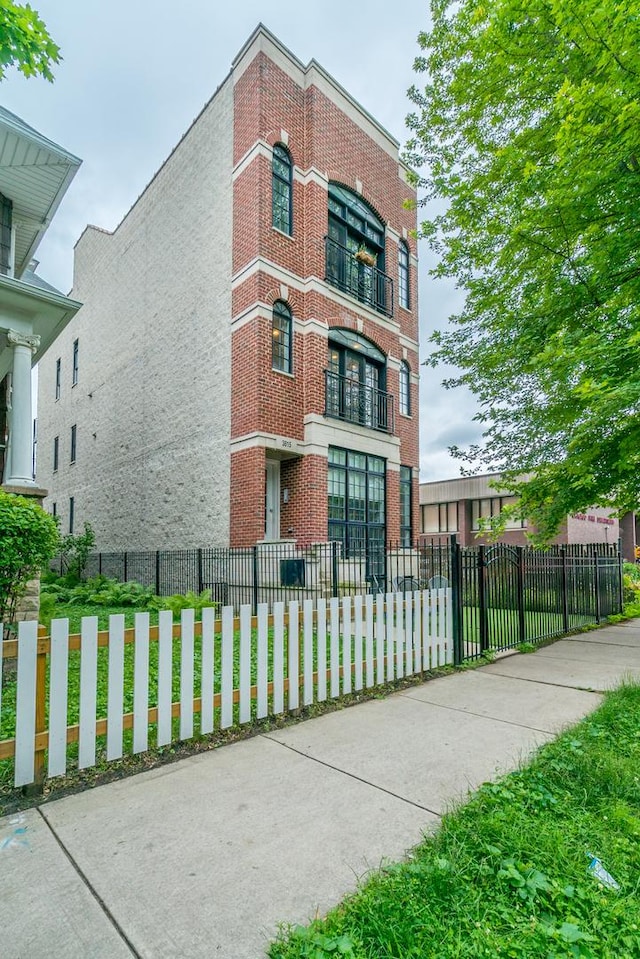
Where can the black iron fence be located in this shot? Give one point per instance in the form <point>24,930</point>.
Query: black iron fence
<point>503,596</point>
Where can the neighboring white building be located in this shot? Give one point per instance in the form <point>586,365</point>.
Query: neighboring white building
<point>34,176</point>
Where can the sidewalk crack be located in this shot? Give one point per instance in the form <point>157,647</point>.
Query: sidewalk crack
<point>98,898</point>
<point>359,779</point>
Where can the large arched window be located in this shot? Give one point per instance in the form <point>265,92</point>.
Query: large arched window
<point>355,250</point>
<point>355,381</point>
<point>282,205</point>
<point>281,338</point>
<point>405,389</point>
<point>403,275</point>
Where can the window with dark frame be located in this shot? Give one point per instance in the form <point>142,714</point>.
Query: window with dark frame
<point>403,275</point>
<point>282,338</point>
<point>282,205</point>
<point>74,433</point>
<point>357,506</point>
<point>56,452</point>
<point>74,377</point>
<point>58,377</point>
<point>406,531</point>
<point>54,509</point>
<point>6,214</point>
<point>72,511</point>
<point>405,389</point>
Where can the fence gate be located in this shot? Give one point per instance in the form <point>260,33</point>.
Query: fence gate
<point>500,598</point>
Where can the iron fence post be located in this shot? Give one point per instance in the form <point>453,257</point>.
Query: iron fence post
<point>522,634</point>
<point>597,582</point>
<point>456,599</point>
<point>157,572</point>
<point>99,564</point>
<point>482,602</point>
<point>255,580</point>
<point>620,576</point>
<point>565,592</point>
<point>200,576</point>
<point>124,567</point>
<point>334,567</point>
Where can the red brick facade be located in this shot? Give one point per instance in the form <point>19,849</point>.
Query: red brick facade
<point>326,144</point>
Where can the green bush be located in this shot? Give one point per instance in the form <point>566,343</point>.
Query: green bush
<point>630,587</point>
<point>178,601</point>
<point>74,553</point>
<point>29,538</point>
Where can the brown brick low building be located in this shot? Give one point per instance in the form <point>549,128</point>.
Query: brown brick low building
<point>458,505</point>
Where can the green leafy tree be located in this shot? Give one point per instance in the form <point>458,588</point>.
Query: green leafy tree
<point>74,552</point>
<point>28,539</point>
<point>526,134</point>
<point>25,42</point>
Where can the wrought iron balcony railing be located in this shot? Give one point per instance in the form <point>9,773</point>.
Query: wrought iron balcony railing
<point>356,402</point>
<point>366,283</point>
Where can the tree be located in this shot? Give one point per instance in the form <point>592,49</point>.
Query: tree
<point>28,539</point>
<point>74,552</point>
<point>527,129</point>
<point>25,41</point>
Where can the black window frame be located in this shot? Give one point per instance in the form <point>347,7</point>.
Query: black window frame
<point>359,537</point>
<point>58,377</point>
<point>74,371</point>
<point>72,514</point>
<point>282,187</point>
<point>404,389</point>
<point>404,287</point>
<point>56,453</point>
<point>282,337</point>
<point>6,219</point>
<point>54,509</point>
<point>74,444</point>
<point>406,506</point>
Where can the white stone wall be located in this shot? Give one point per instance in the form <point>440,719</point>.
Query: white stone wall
<point>152,405</point>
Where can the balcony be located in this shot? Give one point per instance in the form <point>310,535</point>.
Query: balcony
<point>355,402</point>
<point>366,283</point>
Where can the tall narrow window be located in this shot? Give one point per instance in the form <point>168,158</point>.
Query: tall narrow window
<point>56,452</point>
<point>405,506</point>
<point>74,379</point>
<point>282,188</point>
<point>72,511</point>
<point>74,432</point>
<point>405,389</point>
<point>58,377</point>
<point>281,338</point>
<point>54,509</point>
<point>6,210</point>
<point>403,275</point>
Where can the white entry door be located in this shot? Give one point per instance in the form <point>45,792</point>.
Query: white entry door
<point>272,500</point>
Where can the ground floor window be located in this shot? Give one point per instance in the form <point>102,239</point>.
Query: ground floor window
<point>357,504</point>
<point>405,506</point>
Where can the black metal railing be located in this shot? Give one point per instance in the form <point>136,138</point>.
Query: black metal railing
<point>502,596</point>
<point>356,402</point>
<point>365,282</point>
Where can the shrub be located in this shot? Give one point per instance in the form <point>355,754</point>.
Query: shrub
<point>29,538</point>
<point>179,601</point>
<point>99,591</point>
<point>74,552</point>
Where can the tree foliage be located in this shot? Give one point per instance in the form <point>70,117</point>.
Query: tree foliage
<point>527,129</point>
<point>28,539</point>
<point>25,41</point>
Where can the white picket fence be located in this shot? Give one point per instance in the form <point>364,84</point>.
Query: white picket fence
<point>244,669</point>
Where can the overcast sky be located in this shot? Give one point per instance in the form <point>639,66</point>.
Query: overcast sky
<point>136,73</point>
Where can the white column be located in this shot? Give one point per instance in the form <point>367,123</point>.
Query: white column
<point>21,428</point>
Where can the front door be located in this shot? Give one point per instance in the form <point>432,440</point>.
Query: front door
<point>272,500</point>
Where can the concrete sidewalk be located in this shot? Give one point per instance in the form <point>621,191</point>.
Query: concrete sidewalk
<point>204,857</point>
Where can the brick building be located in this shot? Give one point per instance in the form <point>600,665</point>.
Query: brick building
<point>245,364</point>
<point>458,506</point>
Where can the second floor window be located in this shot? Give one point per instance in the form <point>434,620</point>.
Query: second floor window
<point>74,432</point>
<point>282,206</point>
<point>58,377</point>
<point>403,275</point>
<point>74,379</point>
<point>440,518</point>
<point>56,452</point>
<point>355,381</point>
<point>405,389</point>
<point>281,338</point>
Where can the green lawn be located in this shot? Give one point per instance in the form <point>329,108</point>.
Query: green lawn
<point>506,875</point>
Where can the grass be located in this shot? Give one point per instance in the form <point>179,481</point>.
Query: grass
<point>506,875</point>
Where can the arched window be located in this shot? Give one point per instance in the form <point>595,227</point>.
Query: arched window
<point>281,338</point>
<point>405,389</point>
<point>403,275</point>
<point>282,206</point>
